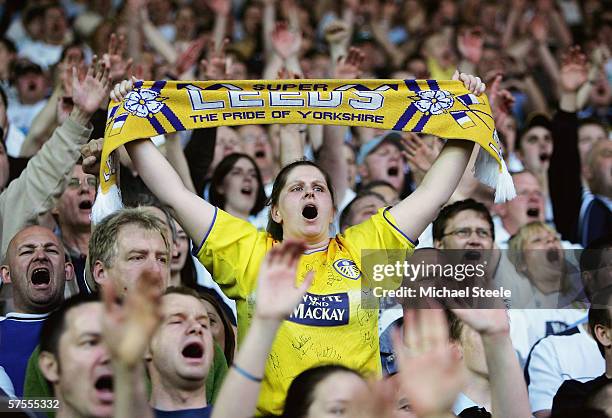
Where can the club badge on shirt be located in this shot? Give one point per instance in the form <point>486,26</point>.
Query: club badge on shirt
<point>347,268</point>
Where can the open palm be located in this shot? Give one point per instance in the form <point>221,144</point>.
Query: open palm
<point>277,294</point>
<point>285,42</point>
<point>574,70</point>
<point>127,329</point>
<point>89,93</point>
<point>430,375</point>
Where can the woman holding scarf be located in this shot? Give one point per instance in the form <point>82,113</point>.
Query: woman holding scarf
<point>331,324</point>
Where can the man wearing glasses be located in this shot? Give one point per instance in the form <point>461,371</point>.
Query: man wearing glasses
<point>466,224</point>
<point>72,215</point>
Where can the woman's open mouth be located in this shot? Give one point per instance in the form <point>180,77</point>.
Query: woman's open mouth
<point>310,212</point>
<point>552,255</point>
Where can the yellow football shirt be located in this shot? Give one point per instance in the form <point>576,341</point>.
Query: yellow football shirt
<point>330,325</point>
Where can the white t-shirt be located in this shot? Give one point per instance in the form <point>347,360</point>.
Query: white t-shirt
<point>42,53</point>
<point>527,326</point>
<point>14,141</point>
<point>21,115</point>
<point>426,238</point>
<point>349,195</point>
<point>556,358</point>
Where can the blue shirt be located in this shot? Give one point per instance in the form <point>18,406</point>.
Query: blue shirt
<point>205,412</point>
<point>19,334</point>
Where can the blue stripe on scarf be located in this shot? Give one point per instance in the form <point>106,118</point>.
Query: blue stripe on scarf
<point>156,125</point>
<point>172,118</point>
<point>412,85</point>
<point>421,123</point>
<point>405,118</point>
<point>433,85</point>
<point>158,85</point>
<point>112,112</point>
<point>166,111</point>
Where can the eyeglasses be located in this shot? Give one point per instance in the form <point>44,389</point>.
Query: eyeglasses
<point>467,232</point>
<point>75,183</point>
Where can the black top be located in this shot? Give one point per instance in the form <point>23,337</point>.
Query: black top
<point>475,412</point>
<point>572,395</point>
<point>564,175</point>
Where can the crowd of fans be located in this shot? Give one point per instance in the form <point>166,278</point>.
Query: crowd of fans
<point>221,289</point>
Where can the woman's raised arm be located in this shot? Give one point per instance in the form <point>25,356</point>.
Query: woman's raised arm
<point>416,211</point>
<point>193,213</point>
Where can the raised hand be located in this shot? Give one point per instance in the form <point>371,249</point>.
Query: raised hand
<point>284,74</point>
<point>277,295</point>
<point>337,32</point>
<point>65,103</point>
<point>348,67</point>
<point>285,42</point>
<point>501,102</point>
<point>122,89</point>
<point>63,108</point>
<point>472,83</point>
<point>127,328</point>
<point>65,72</point>
<point>539,28</point>
<point>430,373</point>
<point>216,67</point>
<point>419,155</point>
<point>485,321</point>
<point>113,58</point>
<point>574,70</point>
<point>470,43</point>
<point>189,57</point>
<point>91,154</point>
<point>89,93</point>
<point>220,7</point>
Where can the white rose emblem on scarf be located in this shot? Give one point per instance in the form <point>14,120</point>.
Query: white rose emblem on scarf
<point>434,101</point>
<point>143,103</point>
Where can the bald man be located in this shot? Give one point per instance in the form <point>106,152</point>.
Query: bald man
<point>36,266</point>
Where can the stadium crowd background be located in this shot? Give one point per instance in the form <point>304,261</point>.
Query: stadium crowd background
<point>194,336</point>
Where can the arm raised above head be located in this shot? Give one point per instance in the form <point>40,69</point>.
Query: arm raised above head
<point>416,211</point>
<point>194,214</point>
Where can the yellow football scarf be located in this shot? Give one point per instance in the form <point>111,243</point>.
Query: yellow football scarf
<point>441,108</point>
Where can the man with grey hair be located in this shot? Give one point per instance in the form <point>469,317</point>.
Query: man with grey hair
<point>126,243</point>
